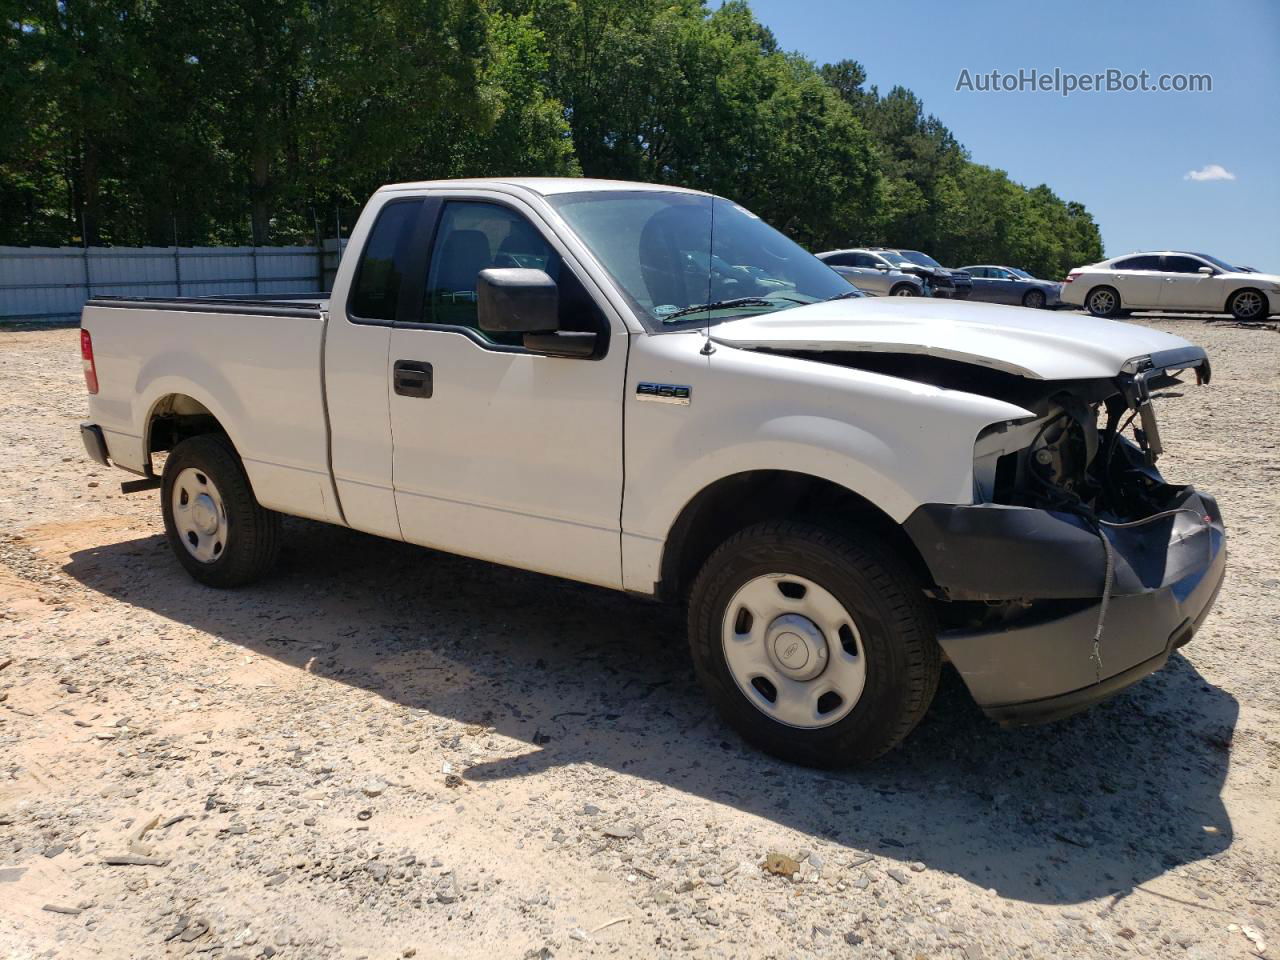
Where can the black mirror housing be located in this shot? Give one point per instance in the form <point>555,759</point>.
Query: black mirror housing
<point>517,300</point>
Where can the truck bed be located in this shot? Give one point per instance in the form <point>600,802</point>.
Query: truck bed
<point>255,363</point>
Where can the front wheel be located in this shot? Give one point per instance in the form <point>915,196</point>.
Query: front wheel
<point>815,648</point>
<point>215,526</point>
<point>903,290</point>
<point>1247,306</point>
<point>1034,299</point>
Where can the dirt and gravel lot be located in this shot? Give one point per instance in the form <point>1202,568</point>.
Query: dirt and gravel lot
<point>388,752</point>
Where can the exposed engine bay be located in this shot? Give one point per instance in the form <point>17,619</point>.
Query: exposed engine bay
<point>1091,448</point>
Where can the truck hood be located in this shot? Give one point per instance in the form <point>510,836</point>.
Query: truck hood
<point>1026,343</point>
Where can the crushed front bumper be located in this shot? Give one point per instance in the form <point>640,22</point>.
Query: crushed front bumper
<point>1041,574</point>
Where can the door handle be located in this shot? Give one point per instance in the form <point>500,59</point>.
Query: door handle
<point>412,378</point>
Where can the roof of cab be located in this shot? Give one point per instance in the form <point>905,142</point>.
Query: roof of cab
<point>546,186</point>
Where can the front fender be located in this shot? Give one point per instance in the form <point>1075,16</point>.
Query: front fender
<point>896,443</point>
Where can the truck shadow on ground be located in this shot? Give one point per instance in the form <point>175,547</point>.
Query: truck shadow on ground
<point>1089,807</point>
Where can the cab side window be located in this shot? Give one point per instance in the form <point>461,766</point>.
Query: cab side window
<point>384,263</point>
<point>475,235</point>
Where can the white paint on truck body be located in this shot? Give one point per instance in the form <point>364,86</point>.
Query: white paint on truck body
<point>553,464</point>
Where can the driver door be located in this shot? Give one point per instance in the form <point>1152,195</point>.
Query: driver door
<point>499,452</point>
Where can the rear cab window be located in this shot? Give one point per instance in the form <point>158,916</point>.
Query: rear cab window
<point>385,263</point>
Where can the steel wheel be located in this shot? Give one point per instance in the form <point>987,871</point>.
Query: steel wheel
<point>199,515</point>
<point>1247,305</point>
<point>794,651</point>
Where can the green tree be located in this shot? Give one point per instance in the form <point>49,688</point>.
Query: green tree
<point>138,120</point>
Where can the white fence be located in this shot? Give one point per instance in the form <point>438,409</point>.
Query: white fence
<point>51,284</point>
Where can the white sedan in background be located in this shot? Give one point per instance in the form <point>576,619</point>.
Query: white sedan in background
<point>1175,281</point>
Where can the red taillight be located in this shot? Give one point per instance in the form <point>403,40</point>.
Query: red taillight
<point>1071,276</point>
<point>86,354</point>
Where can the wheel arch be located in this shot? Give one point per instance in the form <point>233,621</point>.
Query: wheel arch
<point>739,500</point>
<point>174,417</point>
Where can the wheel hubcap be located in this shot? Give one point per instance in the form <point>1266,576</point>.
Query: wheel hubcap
<point>793,650</point>
<point>797,647</point>
<point>199,515</point>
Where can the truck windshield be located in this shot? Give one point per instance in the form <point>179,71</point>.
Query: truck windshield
<point>688,259</point>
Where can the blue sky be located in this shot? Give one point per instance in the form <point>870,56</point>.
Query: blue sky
<point>1124,155</point>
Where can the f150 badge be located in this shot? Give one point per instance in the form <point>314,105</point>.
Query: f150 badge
<point>663,393</point>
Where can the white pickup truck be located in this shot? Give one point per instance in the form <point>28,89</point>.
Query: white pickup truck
<point>652,390</point>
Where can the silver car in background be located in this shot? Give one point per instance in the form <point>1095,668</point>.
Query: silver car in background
<point>872,273</point>
<point>996,284</point>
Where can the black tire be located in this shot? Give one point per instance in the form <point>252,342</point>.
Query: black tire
<point>903,290</point>
<point>1248,306</point>
<point>1103,302</point>
<point>1034,299</point>
<point>895,623</point>
<point>252,532</point>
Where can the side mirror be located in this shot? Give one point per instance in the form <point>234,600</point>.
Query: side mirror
<point>1207,271</point>
<point>517,300</point>
<point>884,267</point>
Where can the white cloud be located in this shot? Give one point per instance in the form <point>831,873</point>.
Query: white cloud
<point>1210,171</point>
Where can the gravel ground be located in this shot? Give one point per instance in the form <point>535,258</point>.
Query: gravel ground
<point>389,752</point>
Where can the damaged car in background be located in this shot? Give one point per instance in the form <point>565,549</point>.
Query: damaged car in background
<point>651,390</point>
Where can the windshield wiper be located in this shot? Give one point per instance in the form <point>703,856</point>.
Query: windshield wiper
<point>718,305</point>
<point>845,296</point>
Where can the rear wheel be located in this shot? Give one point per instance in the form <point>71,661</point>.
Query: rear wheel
<point>1248,305</point>
<point>218,531</point>
<point>1103,302</point>
<point>815,648</point>
<point>1033,299</point>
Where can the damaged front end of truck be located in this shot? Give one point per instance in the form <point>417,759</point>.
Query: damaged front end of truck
<point>1077,569</point>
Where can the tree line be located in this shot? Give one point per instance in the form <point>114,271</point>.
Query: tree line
<point>138,121</point>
